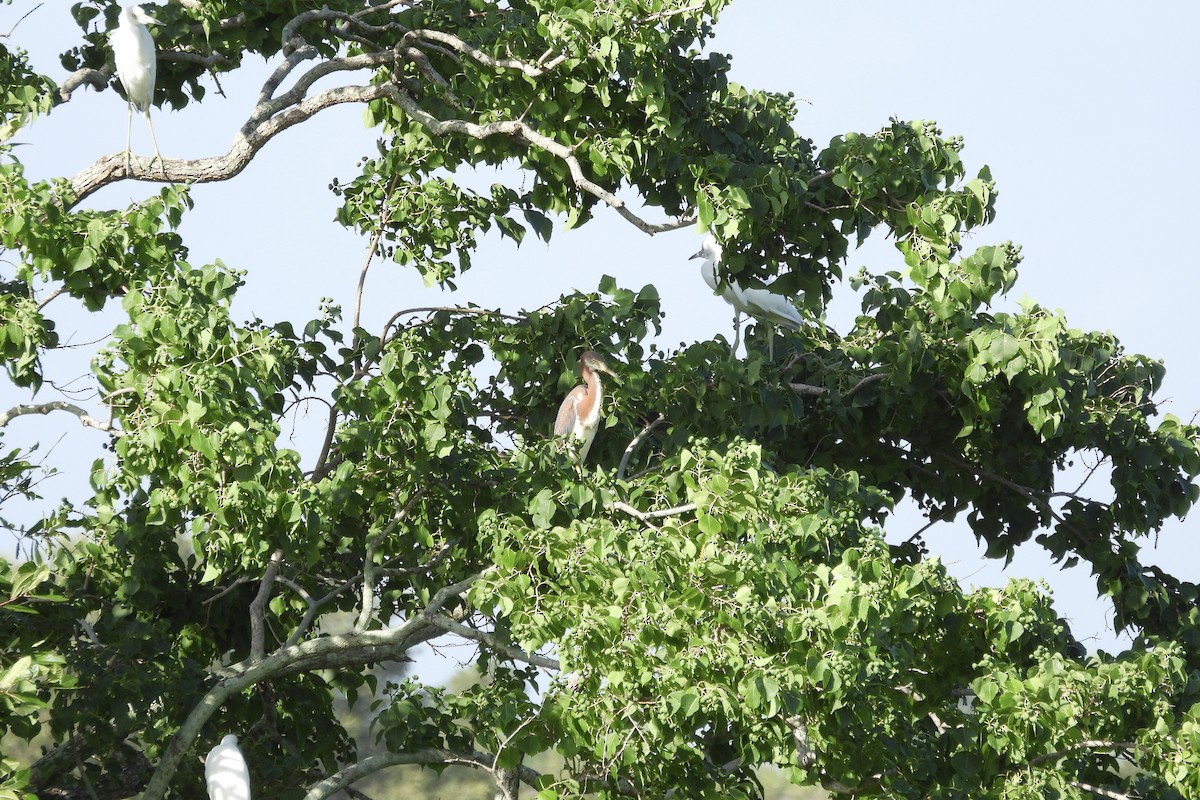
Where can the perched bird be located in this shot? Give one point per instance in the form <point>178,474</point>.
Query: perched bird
<point>137,65</point>
<point>762,304</point>
<point>226,773</point>
<point>579,414</point>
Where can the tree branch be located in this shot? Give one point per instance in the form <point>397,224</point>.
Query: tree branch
<point>372,764</point>
<point>1031,495</point>
<point>1100,791</point>
<point>219,168</point>
<point>635,442</point>
<point>493,643</point>
<point>817,391</point>
<point>1090,744</point>
<point>460,46</point>
<point>646,516</point>
<point>56,405</point>
<point>368,573</point>
<point>258,607</point>
<point>340,650</point>
<point>520,131</point>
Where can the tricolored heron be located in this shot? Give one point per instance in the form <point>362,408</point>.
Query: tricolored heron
<point>137,65</point>
<point>579,414</point>
<point>226,773</point>
<point>762,304</point>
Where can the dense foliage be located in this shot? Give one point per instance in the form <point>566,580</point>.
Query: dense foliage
<point>711,592</point>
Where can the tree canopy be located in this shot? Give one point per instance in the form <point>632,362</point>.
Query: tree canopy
<point>710,592</point>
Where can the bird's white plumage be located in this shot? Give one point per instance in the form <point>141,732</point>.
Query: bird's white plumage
<point>762,304</point>
<point>226,773</point>
<point>137,67</point>
<point>133,53</point>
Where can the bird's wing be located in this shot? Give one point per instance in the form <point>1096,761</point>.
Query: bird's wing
<point>774,307</point>
<point>564,423</point>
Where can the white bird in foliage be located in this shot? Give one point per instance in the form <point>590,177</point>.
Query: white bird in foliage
<point>226,773</point>
<point>579,414</point>
<point>762,304</point>
<point>137,66</point>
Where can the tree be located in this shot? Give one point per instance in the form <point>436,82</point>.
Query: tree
<point>710,591</point>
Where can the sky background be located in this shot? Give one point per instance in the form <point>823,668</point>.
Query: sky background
<point>1085,113</point>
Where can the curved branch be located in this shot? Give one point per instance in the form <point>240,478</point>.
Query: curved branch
<point>460,46</point>
<point>372,764</point>
<point>352,649</point>
<point>633,445</point>
<point>520,131</point>
<point>56,405</point>
<point>95,78</point>
<point>220,168</point>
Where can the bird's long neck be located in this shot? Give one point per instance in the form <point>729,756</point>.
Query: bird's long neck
<point>595,396</point>
<point>708,271</point>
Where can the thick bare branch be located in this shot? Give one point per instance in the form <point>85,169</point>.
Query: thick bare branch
<point>55,405</point>
<point>220,168</point>
<point>95,78</point>
<point>258,607</point>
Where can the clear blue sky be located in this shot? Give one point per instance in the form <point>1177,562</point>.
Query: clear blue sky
<point>1085,113</point>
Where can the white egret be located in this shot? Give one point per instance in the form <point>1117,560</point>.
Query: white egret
<point>762,304</point>
<point>579,414</point>
<point>226,773</point>
<point>137,66</point>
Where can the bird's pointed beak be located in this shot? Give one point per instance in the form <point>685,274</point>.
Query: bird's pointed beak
<point>697,254</point>
<point>601,366</point>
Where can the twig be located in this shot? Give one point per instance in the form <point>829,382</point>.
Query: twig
<point>817,391</point>
<point>491,642</point>
<point>520,131</point>
<point>227,590</point>
<point>635,442</point>
<point>1090,744</point>
<point>1031,495</point>
<point>19,21</point>
<point>670,13</point>
<point>368,573</point>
